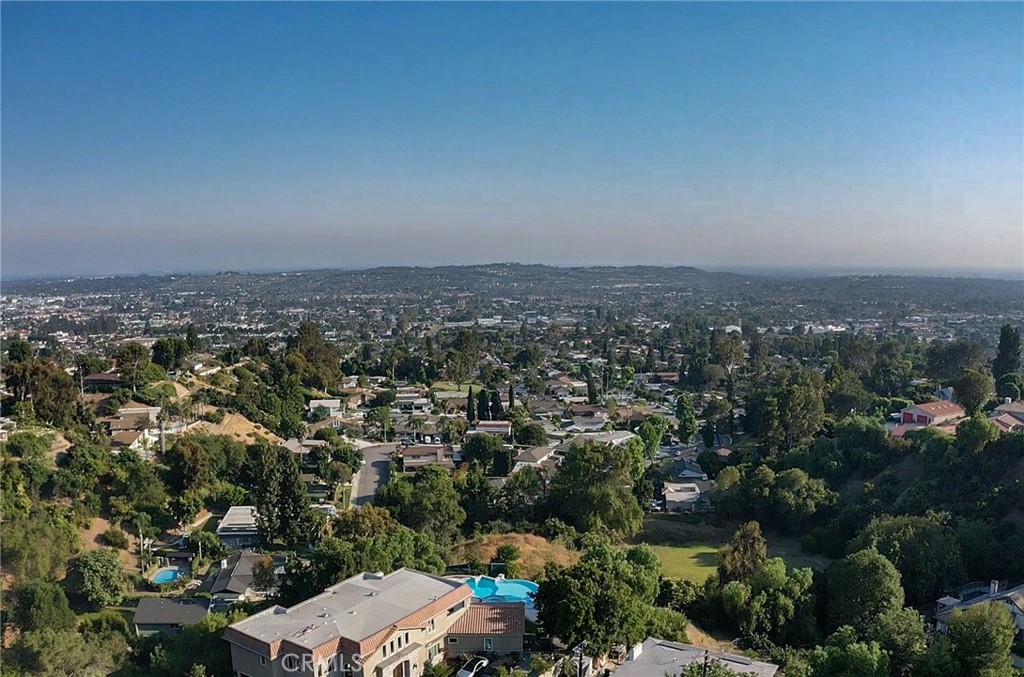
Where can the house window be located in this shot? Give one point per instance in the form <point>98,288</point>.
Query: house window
<point>488,644</point>
<point>433,651</point>
<point>458,607</point>
<point>430,626</point>
<point>263,660</point>
<point>290,663</point>
<point>453,640</point>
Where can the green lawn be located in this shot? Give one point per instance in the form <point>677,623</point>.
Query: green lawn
<point>693,562</point>
<point>688,548</point>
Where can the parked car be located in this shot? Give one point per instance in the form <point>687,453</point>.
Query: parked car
<point>473,667</point>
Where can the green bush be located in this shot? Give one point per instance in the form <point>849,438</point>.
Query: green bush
<point>115,538</point>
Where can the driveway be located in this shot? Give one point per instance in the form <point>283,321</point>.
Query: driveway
<point>374,472</point>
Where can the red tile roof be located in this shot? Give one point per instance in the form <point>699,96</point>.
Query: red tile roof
<point>941,408</point>
<point>508,618</point>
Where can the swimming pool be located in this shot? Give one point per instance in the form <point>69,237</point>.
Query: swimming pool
<point>168,575</point>
<point>489,590</point>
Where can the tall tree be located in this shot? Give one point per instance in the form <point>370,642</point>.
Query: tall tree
<point>651,431</point>
<point>923,549</point>
<point>603,599</point>
<point>687,418</point>
<point>170,353</point>
<point>483,406</point>
<point>946,361</point>
<point>132,360</point>
<point>972,390</point>
<point>282,504</point>
<point>1007,359</point>
<point>470,406</point>
<point>511,396</point>
<point>592,489</point>
<point>591,389</point>
<point>192,338</point>
<point>428,503</point>
<point>744,555</point>
<point>860,588</point>
<point>98,577</point>
<point>979,641</point>
<point>496,410</point>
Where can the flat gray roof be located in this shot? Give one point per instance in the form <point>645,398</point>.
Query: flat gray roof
<point>239,518</point>
<point>659,657</point>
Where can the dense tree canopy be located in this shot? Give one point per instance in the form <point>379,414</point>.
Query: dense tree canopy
<point>603,599</point>
<point>591,490</point>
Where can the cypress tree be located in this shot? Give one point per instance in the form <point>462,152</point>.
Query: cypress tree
<point>470,406</point>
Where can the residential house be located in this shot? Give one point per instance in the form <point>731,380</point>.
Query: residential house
<point>498,428</point>
<point>160,614</point>
<point>396,623</point>
<point>684,497</point>
<point>536,457</point>
<point>234,579</point>
<point>420,455</point>
<point>1012,599</point>
<point>690,470</point>
<point>133,408</point>
<point>584,424</point>
<point>134,440</point>
<point>1006,423</point>
<point>104,382</point>
<point>302,448</point>
<point>616,438</point>
<point>655,657</point>
<point>333,408</point>
<point>931,413</point>
<point>1011,408</point>
<point>413,402</point>
<point>237,529</point>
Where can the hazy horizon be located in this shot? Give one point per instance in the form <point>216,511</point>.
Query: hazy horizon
<point>1008,275</point>
<point>163,137</point>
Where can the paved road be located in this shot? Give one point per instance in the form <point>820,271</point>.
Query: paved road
<point>374,472</point>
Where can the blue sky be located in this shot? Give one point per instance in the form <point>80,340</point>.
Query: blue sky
<point>192,136</point>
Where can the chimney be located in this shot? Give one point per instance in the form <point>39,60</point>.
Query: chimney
<point>1007,400</point>
<point>223,564</point>
<point>635,652</point>
<point>993,587</point>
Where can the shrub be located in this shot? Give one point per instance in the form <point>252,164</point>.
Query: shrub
<point>115,538</point>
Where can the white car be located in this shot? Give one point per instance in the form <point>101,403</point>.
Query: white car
<point>473,667</point>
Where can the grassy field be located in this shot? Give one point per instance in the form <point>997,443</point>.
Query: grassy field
<point>688,548</point>
<point>693,562</point>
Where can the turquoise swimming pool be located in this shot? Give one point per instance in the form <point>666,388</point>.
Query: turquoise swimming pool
<point>167,575</point>
<point>488,589</point>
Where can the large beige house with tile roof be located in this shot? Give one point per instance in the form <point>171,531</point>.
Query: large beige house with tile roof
<point>373,625</point>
